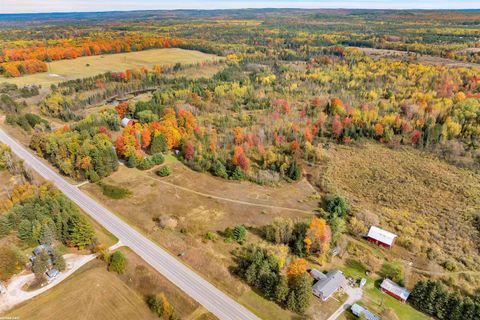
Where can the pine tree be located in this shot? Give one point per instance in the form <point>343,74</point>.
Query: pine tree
<point>40,265</point>
<point>294,172</point>
<point>46,236</point>
<point>80,232</point>
<point>281,291</point>
<point>25,230</point>
<point>158,144</point>
<point>58,261</point>
<point>117,262</point>
<point>239,233</point>
<point>303,292</point>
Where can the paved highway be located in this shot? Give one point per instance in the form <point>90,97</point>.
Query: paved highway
<point>214,300</point>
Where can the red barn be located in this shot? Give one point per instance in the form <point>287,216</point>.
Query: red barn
<point>394,290</point>
<point>381,237</point>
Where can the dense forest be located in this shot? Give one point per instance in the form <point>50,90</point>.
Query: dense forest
<point>286,87</point>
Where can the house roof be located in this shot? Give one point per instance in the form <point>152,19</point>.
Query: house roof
<point>381,235</point>
<point>125,122</point>
<point>41,247</point>
<point>394,288</point>
<point>332,281</point>
<point>358,310</point>
<point>52,273</point>
<point>317,274</point>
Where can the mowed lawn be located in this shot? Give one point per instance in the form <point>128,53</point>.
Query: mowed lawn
<point>83,67</point>
<point>90,293</point>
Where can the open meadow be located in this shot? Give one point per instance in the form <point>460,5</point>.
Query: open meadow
<point>83,67</point>
<point>179,210</point>
<point>98,294</point>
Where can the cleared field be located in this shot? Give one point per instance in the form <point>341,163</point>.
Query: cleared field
<point>419,58</point>
<point>94,293</point>
<point>194,203</point>
<point>83,67</point>
<point>427,202</point>
<point>90,293</point>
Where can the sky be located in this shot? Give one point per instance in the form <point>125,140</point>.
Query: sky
<point>32,6</point>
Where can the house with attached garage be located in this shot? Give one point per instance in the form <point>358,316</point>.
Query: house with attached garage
<point>326,285</point>
<point>381,237</point>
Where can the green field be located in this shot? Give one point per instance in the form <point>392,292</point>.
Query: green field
<point>83,67</point>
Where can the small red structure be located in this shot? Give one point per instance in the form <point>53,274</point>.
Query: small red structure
<point>381,237</point>
<point>394,290</point>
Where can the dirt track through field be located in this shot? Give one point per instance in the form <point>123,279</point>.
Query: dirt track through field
<point>227,199</point>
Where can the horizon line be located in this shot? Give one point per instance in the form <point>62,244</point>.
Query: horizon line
<point>245,8</point>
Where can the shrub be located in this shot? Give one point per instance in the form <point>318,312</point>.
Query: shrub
<point>164,171</point>
<point>146,164</point>
<point>219,170</point>
<point>117,262</point>
<point>114,192</point>
<point>210,235</point>
<point>158,158</point>
<point>239,233</point>
<point>449,265</point>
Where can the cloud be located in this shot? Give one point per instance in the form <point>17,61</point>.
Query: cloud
<point>15,6</point>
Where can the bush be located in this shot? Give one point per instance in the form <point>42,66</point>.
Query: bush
<point>146,164</point>
<point>239,233</point>
<point>114,192</point>
<point>449,265</point>
<point>210,235</point>
<point>158,158</point>
<point>219,170</point>
<point>164,171</point>
<point>117,262</point>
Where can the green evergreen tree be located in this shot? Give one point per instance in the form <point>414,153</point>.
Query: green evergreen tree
<point>239,233</point>
<point>40,265</point>
<point>25,230</point>
<point>46,236</point>
<point>158,144</point>
<point>58,260</point>
<point>281,291</point>
<point>117,262</point>
<point>132,162</point>
<point>294,172</point>
<point>80,232</point>
<point>219,169</point>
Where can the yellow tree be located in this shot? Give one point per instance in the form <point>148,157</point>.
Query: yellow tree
<point>296,268</point>
<point>318,236</point>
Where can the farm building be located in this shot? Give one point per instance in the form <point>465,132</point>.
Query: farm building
<point>125,122</point>
<point>360,311</point>
<point>325,287</point>
<point>394,290</point>
<point>381,237</point>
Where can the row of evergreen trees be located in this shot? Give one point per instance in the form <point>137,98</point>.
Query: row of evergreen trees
<point>434,299</point>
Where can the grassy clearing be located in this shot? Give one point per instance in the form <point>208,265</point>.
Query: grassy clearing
<point>83,67</point>
<point>90,293</point>
<point>264,309</point>
<point>373,299</point>
<point>94,293</point>
<point>423,59</point>
<point>193,215</point>
<point>428,203</point>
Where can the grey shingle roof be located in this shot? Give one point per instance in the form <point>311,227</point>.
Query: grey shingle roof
<point>324,288</point>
